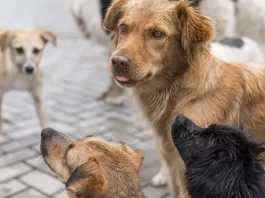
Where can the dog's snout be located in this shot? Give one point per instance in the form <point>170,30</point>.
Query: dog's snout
<point>48,132</point>
<point>181,120</point>
<point>119,62</point>
<point>29,70</point>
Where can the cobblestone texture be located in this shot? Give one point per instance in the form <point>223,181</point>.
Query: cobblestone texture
<point>75,73</point>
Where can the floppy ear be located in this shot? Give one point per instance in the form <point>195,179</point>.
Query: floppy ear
<point>195,28</point>
<point>48,35</point>
<point>113,14</point>
<point>86,181</point>
<point>5,38</point>
<point>140,159</point>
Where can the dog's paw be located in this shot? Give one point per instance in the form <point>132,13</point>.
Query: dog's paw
<point>159,180</point>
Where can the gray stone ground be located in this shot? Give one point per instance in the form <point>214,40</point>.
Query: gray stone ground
<point>75,73</point>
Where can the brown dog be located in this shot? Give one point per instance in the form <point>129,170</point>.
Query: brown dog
<point>161,52</point>
<point>93,168</point>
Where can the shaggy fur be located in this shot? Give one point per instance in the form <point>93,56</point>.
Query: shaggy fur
<point>221,161</point>
<point>162,54</point>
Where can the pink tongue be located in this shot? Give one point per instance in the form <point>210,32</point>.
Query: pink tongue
<point>122,78</point>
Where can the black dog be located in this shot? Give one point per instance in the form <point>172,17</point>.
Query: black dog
<point>221,161</point>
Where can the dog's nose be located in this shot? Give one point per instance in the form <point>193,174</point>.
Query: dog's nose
<point>29,70</point>
<point>120,62</point>
<point>48,132</point>
<point>181,119</point>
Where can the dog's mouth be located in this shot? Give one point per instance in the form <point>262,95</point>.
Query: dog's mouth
<point>125,81</point>
<point>129,82</point>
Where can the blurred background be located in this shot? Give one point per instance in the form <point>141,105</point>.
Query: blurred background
<point>75,74</point>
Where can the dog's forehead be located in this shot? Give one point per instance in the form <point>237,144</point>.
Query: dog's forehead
<point>27,38</point>
<point>139,9</point>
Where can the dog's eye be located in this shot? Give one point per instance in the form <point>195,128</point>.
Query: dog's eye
<point>157,34</point>
<point>36,50</point>
<point>123,29</point>
<point>19,50</point>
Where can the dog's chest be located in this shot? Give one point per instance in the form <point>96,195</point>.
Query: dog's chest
<point>19,82</point>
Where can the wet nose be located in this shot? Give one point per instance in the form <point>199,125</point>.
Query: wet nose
<point>48,132</point>
<point>181,120</point>
<point>120,62</point>
<point>29,70</point>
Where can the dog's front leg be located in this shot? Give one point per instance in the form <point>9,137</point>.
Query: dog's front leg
<point>1,117</point>
<point>161,178</point>
<point>40,107</point>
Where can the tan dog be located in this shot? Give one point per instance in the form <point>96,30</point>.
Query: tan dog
<point>93,168</point>
<point>20,65</point>
<point>161,52</point>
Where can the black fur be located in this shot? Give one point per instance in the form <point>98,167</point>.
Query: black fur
<point>221,161</point>
<point>104,6</point>
<point>232,42</point>
<point>195,3</point>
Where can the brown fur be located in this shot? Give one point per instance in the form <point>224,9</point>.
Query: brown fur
<point>92,167</point>
<point>175,74</point>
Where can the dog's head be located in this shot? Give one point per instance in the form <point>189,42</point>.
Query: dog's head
<point>25,47</point>
<point>154,38</point>
<point>221,160</point>
<point>92,167</point>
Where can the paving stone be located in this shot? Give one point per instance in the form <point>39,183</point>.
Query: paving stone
<point>13,171</point>
<point>22,143</point>
<point>62,127</point>
<point>21,133</point>
<point>38,163</point>
<point>155,192</point>
<point>43,182</point>
<point>17,156</point>
<point>62,194</point>
<point>29,193</point>
<point>11,187</point>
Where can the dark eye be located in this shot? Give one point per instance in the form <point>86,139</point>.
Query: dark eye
<point>157,34</point>
<point>36,50</point>
<point>123,29</point>
<point>19,50</point>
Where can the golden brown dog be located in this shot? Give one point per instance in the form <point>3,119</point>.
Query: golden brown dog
<point>21,54</point>
<point>161,52</point>
<point>93,168</point>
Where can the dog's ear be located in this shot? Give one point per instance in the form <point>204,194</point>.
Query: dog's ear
<point>5,38</point>
<point>195,28</point>
<point>86,181</point>
<point>113,14</point>
<point>140,159</point>
<point>48,35</point>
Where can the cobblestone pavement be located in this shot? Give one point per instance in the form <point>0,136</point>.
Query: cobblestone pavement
<point>75,74</point>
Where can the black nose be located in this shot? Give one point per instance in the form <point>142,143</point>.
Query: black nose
<point>120,62</point>
<point>48,132</point>
<point>29,70</point>
<point>181,119</point>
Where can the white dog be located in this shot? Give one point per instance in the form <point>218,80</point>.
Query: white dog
<point>21,65</point>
